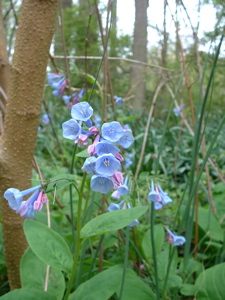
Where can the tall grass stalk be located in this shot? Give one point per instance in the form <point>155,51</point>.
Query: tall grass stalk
<point>154,251</point>
<point>196,147</point>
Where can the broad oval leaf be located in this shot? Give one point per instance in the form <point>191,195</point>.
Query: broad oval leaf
<point>135,288</point>
<point>210,283</point>
<point>208,222</point>
<point>36,280</point>
<point>28,294</point>
<point>159,234</point>
<point>48,245</point>
<point>100,287</point>
<point>112,221</point>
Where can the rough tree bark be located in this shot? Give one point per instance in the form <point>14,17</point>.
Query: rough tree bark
<point>138,72</point>
<point>27,76</point>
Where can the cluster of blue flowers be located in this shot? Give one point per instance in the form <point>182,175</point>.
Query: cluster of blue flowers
<point>29,207</point>
<point>58,83</point>
<point>74,99</point>
<point>160,199</point>
<point>105,159</point>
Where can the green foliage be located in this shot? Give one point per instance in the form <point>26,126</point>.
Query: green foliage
<point>134,288</point>
<point>159,234</point>
<point>29,263</point>
<point>172,157</point>
<point>48,245</point>
<point>102,285</point>
<point>112,221</point>
<point>27,294</point>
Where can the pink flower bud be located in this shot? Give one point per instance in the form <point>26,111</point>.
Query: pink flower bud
<point>38,206</point>
<point>91,150</point>
<point>93,130</point>
<point>117,178</point>
<point>119,157</point>
<point>44,198</point>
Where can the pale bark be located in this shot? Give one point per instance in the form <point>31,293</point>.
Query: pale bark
<point>27,76</point>
<point>138,72</point>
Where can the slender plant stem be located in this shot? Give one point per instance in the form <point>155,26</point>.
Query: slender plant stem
<point>125,261</point>
<point>78,242</point>
<point>153,251</point>
<point>94,258</point>
<point>71,199</point>
<point>167,272</point>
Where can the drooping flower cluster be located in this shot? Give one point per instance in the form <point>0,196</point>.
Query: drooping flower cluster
<point>58,83</point>
<point>158,196</point>
<point>104,161</point>
<point>28,207</point>
<point>160,199</point>
<point>118,100</point>
<point>74,99</point>
<point>175,239</point>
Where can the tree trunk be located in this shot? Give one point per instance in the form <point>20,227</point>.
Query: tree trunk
<point>27,76</point>
<point>138,71</point>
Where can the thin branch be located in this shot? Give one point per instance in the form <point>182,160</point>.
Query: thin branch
<point>113,58</point>
<point>147,128</point>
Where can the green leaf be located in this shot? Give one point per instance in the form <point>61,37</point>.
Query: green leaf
<point>159,234</point>
<point>27,294</point>
<point>208,222</point>
<point>100,287</point>
<point>188,289</point>
<point>163,259</point>
<point>48,245</point>
<point>83,153</point>
<point>174,281</point>
<point>112,221</point>
<point>35,280</point>
<point>135,288</point>
<point>210,283</point>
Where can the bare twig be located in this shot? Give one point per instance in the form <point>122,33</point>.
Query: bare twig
<point>147,128</point>
<point>114,58</point>
<point>64,46</point>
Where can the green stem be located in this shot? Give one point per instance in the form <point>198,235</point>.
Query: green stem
<point>125,261</point>
<point>94,258</point>
<point>78,242</point>
<point>71,199</point>
<point>153,251</point>
<point>168,271</point>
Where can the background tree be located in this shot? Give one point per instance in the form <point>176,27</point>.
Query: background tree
<point>27,76</point>
<point>138,71</point>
